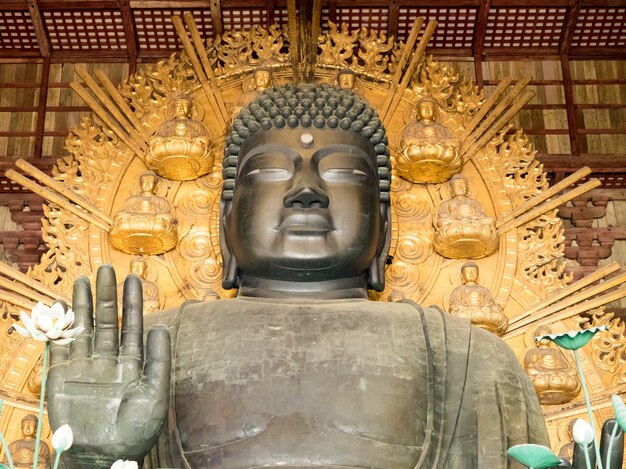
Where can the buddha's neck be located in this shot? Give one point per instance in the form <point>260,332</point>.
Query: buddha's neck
<point>355,287</point>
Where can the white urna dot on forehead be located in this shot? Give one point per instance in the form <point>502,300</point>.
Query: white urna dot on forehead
<point>306,140</point>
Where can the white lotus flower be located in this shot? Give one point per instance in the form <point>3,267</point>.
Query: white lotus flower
<point>119,464</point>
<point>62,438</point>
<point>582,432</point>
<point>49,323</point>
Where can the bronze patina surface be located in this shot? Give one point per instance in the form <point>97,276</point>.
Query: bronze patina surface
<point>300,370</point>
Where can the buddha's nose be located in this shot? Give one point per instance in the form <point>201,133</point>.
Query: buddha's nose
<point>306,196</point>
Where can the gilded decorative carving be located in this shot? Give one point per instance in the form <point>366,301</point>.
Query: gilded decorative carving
<point>181,148</point>
<point>23,450</point>
<point>608,350</point>
<point>147,224</point>
<point>474,302</point>
<point>252,87</point>
<point>462,228</point>
<point>429,152</point>
<point>554,379</point>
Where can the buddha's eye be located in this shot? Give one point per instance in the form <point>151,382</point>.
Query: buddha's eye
<point>270,174</point>
<point>343,174</point>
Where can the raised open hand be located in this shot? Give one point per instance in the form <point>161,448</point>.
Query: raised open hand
<point>115,402</point>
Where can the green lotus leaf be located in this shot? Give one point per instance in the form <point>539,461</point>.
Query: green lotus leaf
<point>534,456</point>
<point>620,411</point>
<point>573,340</point>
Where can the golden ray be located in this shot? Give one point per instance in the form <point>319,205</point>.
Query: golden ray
<point>495,113</point>
<point>54,197</point>
<point>122,104</point>
<point>545,195</point>
<point>16,300</point>
<point>204,59</point>
<point>404,58</point>
<point>418,55</point>
<point>572,300</point>
<point>110,106</point>
<point>107,120</point>
<point>31,282</point>
<point>292,32</point>
<point>569,290</point>
<point>549,205</point>
<point>191,54</point>
<point>63,190</point>
<point>567,313</point>
<point>489,103</point>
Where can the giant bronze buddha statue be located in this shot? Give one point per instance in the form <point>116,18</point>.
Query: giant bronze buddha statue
<point>300,370</point>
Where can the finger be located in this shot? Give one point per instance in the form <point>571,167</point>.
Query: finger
<point>106,340</point>
<point>82,304</point>
<point>132,319</point>
<point>58,353</point>
<point>581,454</point>
<point>156,372</point>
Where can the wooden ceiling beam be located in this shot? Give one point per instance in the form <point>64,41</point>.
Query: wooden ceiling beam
<point>529,3</point>
<point>58,5</point>
<point>216,17</point>
<point>392,18</point>
<point>569,27</point>
<point>40,29</point>
<point>597,163</point>
<point>130,35</point>
<point>160,5</point>
<point>478,44</point>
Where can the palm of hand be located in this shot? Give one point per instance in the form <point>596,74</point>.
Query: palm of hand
<point>115,402</point>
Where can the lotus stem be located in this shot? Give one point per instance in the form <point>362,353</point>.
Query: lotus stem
<point>57,458</point>
<point>5,447</point>
<point>590,413</point>
<point>44,370</point>
<point>587,459</point>
<point>608,452</point>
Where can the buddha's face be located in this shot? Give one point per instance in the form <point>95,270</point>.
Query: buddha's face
<point>182,108</point>
<point>346,80</point>
<point>459,186</point>
<point>426,110</point>
<point>470,274</point>
<point>306,206</point>
<point>29,428</point>
<point>139,268</point>
<point>148,183</point>
<point>262,79</point>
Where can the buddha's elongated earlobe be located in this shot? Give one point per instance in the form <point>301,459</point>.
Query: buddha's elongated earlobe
<point>230,272</point>
<point>376,271</point>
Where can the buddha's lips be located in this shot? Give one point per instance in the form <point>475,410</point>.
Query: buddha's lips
<point>305,223</point>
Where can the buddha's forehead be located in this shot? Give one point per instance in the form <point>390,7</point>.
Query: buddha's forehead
<point>303,141</point>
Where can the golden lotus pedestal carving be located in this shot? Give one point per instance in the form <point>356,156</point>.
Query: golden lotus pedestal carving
<point>147,224</point>
<point>180,150</point>
<point>554,379</point>
<point>429,150</point>
<point>462,229</point>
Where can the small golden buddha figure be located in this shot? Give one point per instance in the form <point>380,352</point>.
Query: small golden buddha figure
<point>476,303</point>
<point>23,450</point>
<point>146,225</point>
<point>554,379</point>
<point>153,298</point>
<point>429,150</point>
<point>262,79</point>
<point>180,150</point>
<point>462,228</point>
<point>346,79</point>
